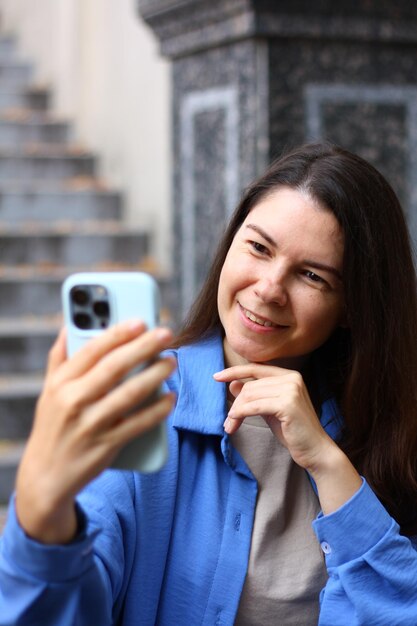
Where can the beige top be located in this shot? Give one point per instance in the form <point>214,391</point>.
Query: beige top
<point>286,569</point>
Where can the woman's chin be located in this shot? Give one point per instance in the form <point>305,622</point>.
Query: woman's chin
<point>240,353</point>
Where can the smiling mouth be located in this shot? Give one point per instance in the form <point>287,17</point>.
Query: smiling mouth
<point>259,320</point>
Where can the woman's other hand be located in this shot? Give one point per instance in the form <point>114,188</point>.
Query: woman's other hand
<point>80,422</point>
<point>281,398</point>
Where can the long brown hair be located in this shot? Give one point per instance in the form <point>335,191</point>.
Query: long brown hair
<point>375,360</point>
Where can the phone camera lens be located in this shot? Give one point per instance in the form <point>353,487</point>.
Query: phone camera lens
<point>101,308</point>
<point>80,296</point>
<point>82,320</point>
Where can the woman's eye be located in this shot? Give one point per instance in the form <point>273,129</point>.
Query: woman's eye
<point>258,247</point>
<point>315,278</point>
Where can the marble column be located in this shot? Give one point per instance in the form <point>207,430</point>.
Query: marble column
<point>252,78</point>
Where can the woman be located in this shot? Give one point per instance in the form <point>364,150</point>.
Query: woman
<point>308,313</point>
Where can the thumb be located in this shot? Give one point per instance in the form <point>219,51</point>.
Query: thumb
<point>58,352</point>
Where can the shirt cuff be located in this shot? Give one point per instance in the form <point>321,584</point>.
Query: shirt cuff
<point>352,530</point>
<point>49,563</point>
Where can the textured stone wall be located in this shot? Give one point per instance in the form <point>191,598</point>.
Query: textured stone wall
<point>253,78</point>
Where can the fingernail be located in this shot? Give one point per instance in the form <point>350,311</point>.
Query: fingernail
<point>135,324</point>
<point>163,333</point>
<point>227,425</point>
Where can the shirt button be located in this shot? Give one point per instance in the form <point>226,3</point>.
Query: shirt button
<point>325,547</point>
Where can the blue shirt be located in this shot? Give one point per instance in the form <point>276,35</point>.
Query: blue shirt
<point>172,548</point>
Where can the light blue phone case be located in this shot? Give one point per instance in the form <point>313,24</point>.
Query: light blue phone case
<point>130,295</point>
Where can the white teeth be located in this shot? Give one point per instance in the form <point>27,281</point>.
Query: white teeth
<point>253,318</point>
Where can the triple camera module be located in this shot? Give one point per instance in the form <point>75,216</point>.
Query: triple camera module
<point>90,308</point>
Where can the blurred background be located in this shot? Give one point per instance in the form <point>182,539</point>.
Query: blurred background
<point>128,131</point>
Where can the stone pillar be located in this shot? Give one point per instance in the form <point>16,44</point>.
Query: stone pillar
<point>254,77</point>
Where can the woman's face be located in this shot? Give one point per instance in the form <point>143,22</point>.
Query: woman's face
<point>280,292</point>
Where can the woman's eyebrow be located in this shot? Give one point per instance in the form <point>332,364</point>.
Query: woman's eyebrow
<point>323,266</point>
<point>315,264</point>
<point>263,234</point>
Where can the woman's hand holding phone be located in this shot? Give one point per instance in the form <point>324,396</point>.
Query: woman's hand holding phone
<point>80,422</point>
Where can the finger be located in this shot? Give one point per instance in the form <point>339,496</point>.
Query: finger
<point>135,353</point>
<point>236,387</point>
<point>126,397</point>
<point>232,425</point>
<point>247,372</point>
<point>275,426</point>
<point>95,349</point>
<point>57,354</point>
<point>241,410</point>
<point>247,390</point>
<point>142,421</point>
<point>120,362</point>
<point>256,406</point>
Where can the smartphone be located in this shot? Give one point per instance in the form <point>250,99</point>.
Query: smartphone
<point>93,301</point>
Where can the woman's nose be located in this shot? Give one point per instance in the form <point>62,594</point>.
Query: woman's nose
<point>270,289</point>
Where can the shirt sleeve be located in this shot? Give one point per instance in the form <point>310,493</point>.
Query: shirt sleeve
<point>77,583</point>
<point>372,568</point>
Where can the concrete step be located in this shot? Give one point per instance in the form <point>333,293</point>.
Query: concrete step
<point>33,97</point>
<point>25,343</point>
<point>97,242</point>
<point>57,164</point>
<point>15,75</point>
<point>36,291</point>
<point>27,127</point>
<point>10,455</point>
<point>12,98</point>
<point>18,396</point>
<point>37,97</point>
<point>30,293</point>
<point>20,203</point>
<point>8,50</point>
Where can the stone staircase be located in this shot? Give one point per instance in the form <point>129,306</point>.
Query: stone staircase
<point>56,217</point>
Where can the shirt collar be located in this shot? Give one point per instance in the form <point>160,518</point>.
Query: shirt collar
<point>201,405</point>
